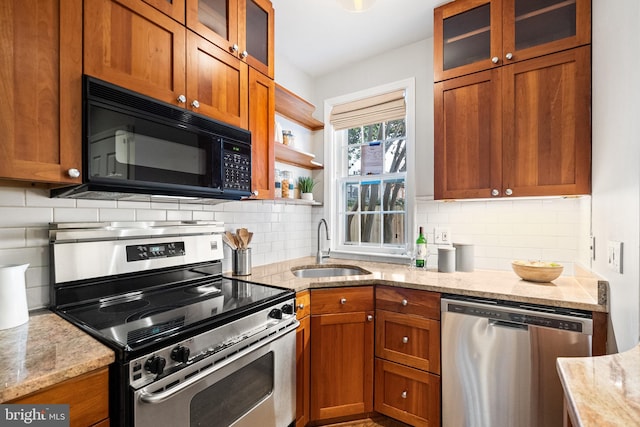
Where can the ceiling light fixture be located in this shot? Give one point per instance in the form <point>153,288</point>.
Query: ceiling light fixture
<point>356,5</point>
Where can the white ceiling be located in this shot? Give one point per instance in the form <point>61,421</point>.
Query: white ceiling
<point>318,36</point>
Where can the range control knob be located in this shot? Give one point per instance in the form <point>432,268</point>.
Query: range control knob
<point>155,365</point>
<point>276,313</point>
<point>287,309</point>
<point>180,354</point>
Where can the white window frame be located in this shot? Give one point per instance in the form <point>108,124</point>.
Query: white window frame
<point>332,173</point>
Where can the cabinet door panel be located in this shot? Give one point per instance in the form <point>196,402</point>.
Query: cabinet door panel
<point>467,145</point>
<point>410,340</point>
<point>303,371</point>
<point>341,365</point>
<point>407,394</point>
<point>218,81</point>
<point>261,124</point>
<point>135,46</point>
<point>259,35</point>
<point>533,28</point>
<point>467,35</point>
<point>547,132</point>
<point>172,8</point>
<point>41,85</point>
<point>216,21</point>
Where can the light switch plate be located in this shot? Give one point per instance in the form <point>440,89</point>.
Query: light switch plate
<point>614,256</point>
<point>442,236</point>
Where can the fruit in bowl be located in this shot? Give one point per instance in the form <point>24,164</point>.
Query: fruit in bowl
<point>537,271</point>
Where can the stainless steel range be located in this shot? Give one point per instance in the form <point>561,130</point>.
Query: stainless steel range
<point>193,348</point>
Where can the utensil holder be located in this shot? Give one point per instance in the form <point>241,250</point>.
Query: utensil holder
<point>241,262</point>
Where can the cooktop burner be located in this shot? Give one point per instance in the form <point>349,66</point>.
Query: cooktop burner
<point>158,313</point>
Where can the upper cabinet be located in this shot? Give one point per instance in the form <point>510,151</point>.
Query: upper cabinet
<point>475,35</point>
<point>244,28</point>
<point>41,75</point>
<point>512,120</point>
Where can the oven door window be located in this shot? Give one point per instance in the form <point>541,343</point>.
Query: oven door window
<point>128,148</point>
<point>234,395</point>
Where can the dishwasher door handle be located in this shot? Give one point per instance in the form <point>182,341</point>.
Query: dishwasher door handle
<point>510,325</point>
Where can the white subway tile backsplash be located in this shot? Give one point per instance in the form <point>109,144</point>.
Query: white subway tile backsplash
<point>12,197</point>
<point>13,238</point>
<point>39,197</point>
<point>85,203</point>
<point>129,204</point>
<point>150,215</point>
<point>107,215</point>
<point>25,216</point>
<point>75,215</point>
<point>179,216</point>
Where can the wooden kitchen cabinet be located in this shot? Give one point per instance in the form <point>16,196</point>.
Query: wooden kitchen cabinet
<point>41,78</point>
<point>342,330</point>
<point>87,396</point>
<point>407,364</point>
<point>243,28</point>
<point>303,358</point>
<point>173,8</point>
<point>521,130</point>
<point>137,45</point>
<point>476,35</point>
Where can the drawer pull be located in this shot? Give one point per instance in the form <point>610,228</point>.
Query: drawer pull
<point>405,340</point>
<point>369,318</point>
<point>405,302</point>
<point>343,301</point>
<point>300,306</point>
<point>404,395</point>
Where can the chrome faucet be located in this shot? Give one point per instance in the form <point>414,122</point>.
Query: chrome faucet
<point>320,256</point>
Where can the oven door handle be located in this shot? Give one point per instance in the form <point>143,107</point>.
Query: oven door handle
<point>147,397</point>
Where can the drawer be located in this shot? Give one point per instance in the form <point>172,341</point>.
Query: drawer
<point>407,394</point>
<point>407,339</point>
<point>342,300</point>
<point>303,304</point>
<point>409,301</point>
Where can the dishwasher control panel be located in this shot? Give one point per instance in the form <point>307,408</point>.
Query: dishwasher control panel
<point>547,317</point>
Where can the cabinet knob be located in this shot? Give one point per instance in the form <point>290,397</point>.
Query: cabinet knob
<point>404,302</point>
<point>343,301</point>
<point>255,193</point>
<point>182,99</point>
<point>244,54</point>
<point>495,192</point>
<point>508,192</point>
<point>495,59</point>
<point>369,318</point>
<point>405,340</point>
<point>404,395</point>
<point>195,104</point>
<point>73,173</point>
<point>509,55</point>
<point>300,306</point>
<point>234,48</point>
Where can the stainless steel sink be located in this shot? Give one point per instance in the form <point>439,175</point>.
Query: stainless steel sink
<point>328,271</point>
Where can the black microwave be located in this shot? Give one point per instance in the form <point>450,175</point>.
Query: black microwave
<point>138,148</point>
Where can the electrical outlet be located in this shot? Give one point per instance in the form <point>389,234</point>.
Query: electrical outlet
<point>442,236</point>
<point>614,256</point>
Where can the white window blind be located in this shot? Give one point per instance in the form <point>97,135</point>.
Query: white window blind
<point>375,109</point>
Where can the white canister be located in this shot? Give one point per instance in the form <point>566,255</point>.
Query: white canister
<point>13,296</point>
<point>447,259</point>
<point>464,256</point>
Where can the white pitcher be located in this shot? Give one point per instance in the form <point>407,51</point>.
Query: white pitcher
<point>13,296</point>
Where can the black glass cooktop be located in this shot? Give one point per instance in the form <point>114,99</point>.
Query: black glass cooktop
<point>136,318</point>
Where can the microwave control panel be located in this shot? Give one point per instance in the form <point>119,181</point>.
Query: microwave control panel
<point>237,166</point>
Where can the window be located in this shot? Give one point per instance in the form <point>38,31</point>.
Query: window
<point>371,140</point>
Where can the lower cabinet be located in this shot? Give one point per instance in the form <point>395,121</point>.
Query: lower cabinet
<point>303,358</point>
<point>342,336</point>
<point>407,394</point>
<point>87,396</point>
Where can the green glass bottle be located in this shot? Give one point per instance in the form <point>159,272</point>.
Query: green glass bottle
<point>421,249</point>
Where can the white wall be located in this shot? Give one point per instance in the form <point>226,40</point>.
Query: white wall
<point>412,61</point>
<point>281,231</point>
<point>616,156</point>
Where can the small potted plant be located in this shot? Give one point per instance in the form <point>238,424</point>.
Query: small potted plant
<point>305,185</point>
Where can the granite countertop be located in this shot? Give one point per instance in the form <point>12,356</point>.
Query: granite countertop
<point>602,391</point>
<point>45,351</point>
<point>583,291</point>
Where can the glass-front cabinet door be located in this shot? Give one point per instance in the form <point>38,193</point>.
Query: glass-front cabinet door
<point>467,36</point>
<point>475,35</point>
<point>534,28</point>
<point>244,28</point>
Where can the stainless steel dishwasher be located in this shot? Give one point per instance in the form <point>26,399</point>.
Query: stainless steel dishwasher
<point>499,361</point>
